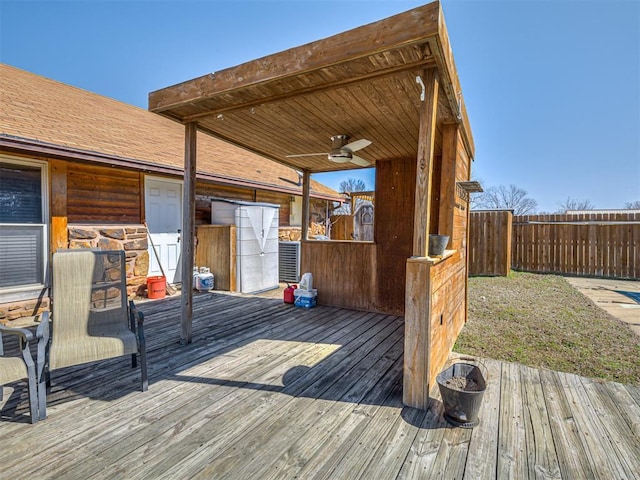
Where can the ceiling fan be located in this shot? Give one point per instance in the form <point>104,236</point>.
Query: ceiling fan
<point>341,151</point>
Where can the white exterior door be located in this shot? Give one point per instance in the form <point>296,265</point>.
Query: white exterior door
<point>163,208</point>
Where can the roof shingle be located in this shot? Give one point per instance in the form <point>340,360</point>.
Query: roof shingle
<point>49,112</point>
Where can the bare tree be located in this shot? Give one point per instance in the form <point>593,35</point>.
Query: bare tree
<point>502,197</point>
<point>573,204</point>
<point>635,205</point>
<point>351,185</point>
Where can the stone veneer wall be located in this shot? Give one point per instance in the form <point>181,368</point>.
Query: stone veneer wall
<point>130,238</point>
<point>293,234</point>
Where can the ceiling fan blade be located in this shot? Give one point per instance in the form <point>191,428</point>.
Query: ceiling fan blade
<point>306,155</point>
<point>339,159</point>
<point>359,161</point>
<point>357,145</point>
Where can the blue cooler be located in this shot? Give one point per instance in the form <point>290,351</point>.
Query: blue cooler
<point>305,298</point>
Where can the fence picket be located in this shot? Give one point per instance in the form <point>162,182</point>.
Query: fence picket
<point>597,244</point>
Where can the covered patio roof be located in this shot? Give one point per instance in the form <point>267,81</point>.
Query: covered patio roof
<point>362,83</point>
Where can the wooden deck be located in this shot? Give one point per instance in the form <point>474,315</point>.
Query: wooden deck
<point>270,391</point>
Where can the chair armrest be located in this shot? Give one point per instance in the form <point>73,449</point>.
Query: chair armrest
<point>136,317</point>
<point>24,334</point>
<point>42,332</point>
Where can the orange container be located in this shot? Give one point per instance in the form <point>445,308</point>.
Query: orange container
<point>156,287</point>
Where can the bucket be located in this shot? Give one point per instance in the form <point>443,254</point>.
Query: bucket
<point>461,406</point>
<point>156,287</point>
<point>437,244</point>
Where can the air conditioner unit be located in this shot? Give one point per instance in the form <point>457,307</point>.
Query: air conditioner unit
<point>289,261</point>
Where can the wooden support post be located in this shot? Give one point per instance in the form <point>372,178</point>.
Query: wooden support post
<point>59,232</point>
<point>415,392</point>
<point>188,231</point>
<point>417,334</point>
<point>306,189</point>
<point>424,171</point>
<point>448,179</point>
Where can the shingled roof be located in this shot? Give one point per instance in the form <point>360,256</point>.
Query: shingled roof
<point>50,118</point>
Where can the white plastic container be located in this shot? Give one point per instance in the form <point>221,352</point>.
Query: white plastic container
<point>306,282</point>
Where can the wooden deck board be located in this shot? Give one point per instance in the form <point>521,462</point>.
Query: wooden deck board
<point>270,391</point>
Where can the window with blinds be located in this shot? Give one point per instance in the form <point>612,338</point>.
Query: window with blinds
<point>22,224</point>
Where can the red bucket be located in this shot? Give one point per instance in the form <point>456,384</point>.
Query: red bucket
<point>156,287</point>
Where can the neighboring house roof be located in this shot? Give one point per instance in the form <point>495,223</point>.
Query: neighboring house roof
<point>47,117</point>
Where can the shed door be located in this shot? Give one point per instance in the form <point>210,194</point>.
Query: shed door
<point>163,210</point>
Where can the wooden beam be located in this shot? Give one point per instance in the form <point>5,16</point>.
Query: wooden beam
<point>306,189</point>
<point>448,179</point>
<point>59,232</point>
<point>314,88</point>
<point>188,231</point>
<point>414,26</point>
<point>424,170</point>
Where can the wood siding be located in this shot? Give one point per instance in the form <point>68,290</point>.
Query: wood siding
<point>461,203</point>
<point>395,196</point>
<point>206,192</point>
<point>436,301</point>
<point>102,195</point>
<point>343,272</point>
<point>490,243</point>
<point>447,285</point>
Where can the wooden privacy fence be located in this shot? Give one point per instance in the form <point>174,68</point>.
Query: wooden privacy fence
<point>341,227</point>
<point>490,242</point>
<point>596,244</point>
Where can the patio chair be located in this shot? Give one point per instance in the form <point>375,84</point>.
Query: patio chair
<point>13,368</point>
<point>91,319</point>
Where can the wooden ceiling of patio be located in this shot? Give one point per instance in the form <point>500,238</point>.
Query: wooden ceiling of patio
<point>361,83</point>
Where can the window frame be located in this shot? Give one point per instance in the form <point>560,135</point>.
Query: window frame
<point>33,290</point>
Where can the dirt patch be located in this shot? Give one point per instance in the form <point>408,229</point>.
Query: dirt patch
<point>543,322</point>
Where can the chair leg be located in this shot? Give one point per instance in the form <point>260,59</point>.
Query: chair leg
<point>31,380</point>
<point>33,393</point>
<point>143,359</point>
<point>42,370</point>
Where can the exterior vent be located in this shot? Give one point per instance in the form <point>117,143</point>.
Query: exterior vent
<point>289,263</point>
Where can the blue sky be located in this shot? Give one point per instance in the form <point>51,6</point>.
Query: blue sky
<point>552,87</point>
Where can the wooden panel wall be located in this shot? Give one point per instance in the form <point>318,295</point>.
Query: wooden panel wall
<point>436,301</point>
<point>594,245</point>
<point>447,281</point>
<point>343,272</point>
<point>395,197</point>
<point>461,204</point>
<point>490,243</point>
<point>102,195</point>
<point>216,249</point>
